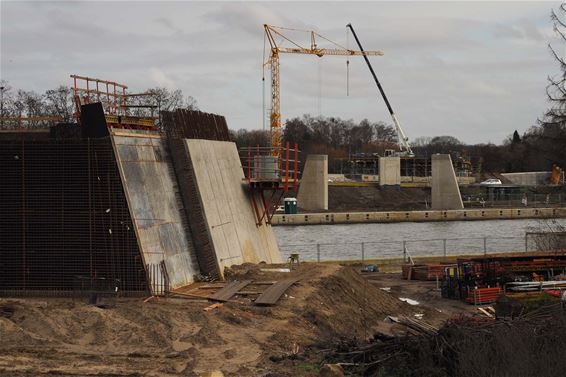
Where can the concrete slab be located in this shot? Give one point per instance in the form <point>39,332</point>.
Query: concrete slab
<point>155,205</point>
<point>445,190</point>
<point>226,206</point>
<point>313,190</point>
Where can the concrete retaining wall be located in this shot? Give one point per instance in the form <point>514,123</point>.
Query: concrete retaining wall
<point>227,209</point>
<point>418,216</point>
<point>155,205</point>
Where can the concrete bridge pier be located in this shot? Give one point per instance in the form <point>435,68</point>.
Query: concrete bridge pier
<point>313,191</point>
<point>445,190</point>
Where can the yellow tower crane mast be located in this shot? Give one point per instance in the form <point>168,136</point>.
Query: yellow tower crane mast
<point>274,32</point>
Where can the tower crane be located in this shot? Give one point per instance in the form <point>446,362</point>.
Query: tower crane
<point>273,32</point>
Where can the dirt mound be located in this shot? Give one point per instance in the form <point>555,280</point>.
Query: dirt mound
<point>345,304</point>
<point>170,337</point>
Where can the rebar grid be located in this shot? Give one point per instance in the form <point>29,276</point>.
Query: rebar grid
<point>64,216</point>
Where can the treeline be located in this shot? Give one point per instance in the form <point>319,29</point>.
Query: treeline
<point>536,150</point>
<point>59,102</point>
<point>333,136</point>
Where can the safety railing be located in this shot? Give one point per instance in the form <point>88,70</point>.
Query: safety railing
<point>261,164</point>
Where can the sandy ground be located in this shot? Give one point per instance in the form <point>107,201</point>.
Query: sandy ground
<point>175,336</point>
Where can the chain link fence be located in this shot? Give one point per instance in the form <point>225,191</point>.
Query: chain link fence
<point>361,251</point>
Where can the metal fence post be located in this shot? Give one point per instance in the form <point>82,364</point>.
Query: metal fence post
<point>318,252</point>
<point>484,245</point>
<point>363,252</point>
<point>444,247</point>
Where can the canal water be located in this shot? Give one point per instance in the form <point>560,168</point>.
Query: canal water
<point>388,240</point>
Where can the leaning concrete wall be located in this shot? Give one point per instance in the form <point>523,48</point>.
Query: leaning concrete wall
<point>155,205</point>
<point>226,206</point>
<point>313,190</point>
<point>445,190</point>
<point>389,171</point>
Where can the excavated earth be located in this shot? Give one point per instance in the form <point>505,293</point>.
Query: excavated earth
<point>175,336</point>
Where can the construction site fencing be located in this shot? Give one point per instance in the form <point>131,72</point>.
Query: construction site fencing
<point>516,200</point>
<point>403,249</point>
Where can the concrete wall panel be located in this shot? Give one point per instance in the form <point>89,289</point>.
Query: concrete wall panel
<point>227,208</point>
<point>155,205</point>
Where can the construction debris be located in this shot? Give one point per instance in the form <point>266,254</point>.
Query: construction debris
<point>213,306</point>
<point>530,345</point>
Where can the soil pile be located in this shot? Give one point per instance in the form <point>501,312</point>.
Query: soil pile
<point>170,337</point>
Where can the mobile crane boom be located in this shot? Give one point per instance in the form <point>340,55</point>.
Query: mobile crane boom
<point>403,139</point>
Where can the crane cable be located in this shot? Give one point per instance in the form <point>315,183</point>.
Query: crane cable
<point>319,102</point>
<point>263,85</point>
<point>347,63</point>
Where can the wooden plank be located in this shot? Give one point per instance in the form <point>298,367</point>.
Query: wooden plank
<point>264,282</point>
<point>213,306</point>
<point>229,290</point>
<point>273,293</point>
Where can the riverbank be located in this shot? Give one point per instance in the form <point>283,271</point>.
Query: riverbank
<point>418,216</point>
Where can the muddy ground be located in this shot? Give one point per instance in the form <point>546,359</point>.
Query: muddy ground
<point>175,336</point>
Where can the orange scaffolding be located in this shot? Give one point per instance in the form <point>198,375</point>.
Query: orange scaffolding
<point>268,177</point>
<point>113,97</point>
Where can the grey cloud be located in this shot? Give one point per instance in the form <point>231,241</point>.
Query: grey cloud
<point>168,23</point>
<point>476,70</point>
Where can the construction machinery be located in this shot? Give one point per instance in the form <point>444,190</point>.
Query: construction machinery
<point>272,34</point>
<point>556,175</point>
<point>403,139</point>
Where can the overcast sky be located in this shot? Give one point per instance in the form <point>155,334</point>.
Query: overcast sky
<point>474,70</point>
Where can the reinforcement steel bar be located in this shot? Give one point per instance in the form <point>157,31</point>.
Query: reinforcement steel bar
<point>64,218</point>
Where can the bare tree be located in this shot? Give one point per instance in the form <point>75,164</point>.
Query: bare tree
<point>60,102</point>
